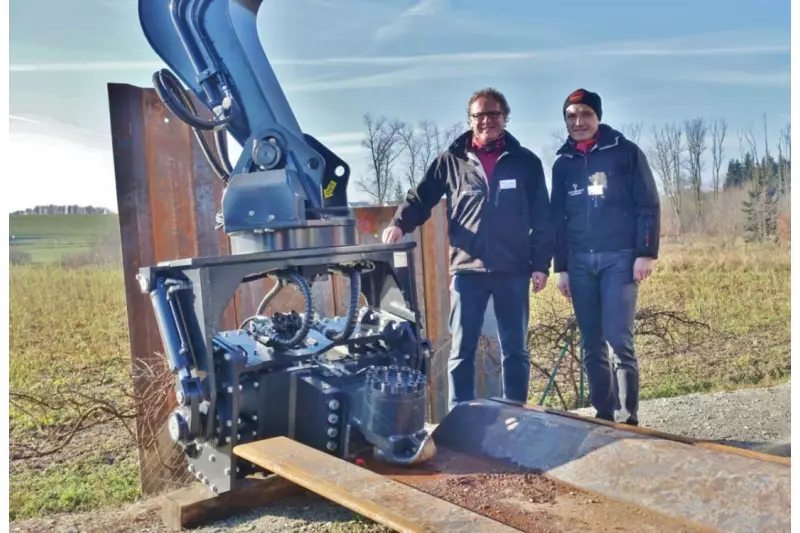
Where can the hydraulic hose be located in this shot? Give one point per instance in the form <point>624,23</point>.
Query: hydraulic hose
<point>173,95</point>
<point>301,333</point>
<point>269,296</point>
<point>352,311</point>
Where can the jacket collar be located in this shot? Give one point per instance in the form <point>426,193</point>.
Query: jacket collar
<point>607,137</point>
<point>463,142</point>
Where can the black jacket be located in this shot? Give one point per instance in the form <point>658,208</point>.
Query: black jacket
<point>625,215</point>
<point>503,226</point>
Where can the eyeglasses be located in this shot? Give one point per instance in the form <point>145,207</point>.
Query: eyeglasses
<point>494,115</point>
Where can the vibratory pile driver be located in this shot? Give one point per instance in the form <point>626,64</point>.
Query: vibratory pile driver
<point>350,385</point>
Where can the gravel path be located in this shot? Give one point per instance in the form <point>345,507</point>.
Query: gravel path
<point>758,419</point>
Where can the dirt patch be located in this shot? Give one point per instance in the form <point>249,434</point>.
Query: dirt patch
<point>526,500</point>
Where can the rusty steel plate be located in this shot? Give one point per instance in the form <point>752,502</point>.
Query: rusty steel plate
<point>379,498</point>
<point>722,491</point>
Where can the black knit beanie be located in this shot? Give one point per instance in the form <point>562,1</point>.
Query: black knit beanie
<point>588,98</point>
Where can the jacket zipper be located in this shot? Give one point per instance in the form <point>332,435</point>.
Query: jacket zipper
<point>496,163</point>
<point>586,185</point>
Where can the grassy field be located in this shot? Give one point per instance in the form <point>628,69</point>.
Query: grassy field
<point>737,298</point>
<point>69,349</point>
<point>49,238</point>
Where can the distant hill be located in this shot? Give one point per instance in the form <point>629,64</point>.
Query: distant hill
<point>65,210</point>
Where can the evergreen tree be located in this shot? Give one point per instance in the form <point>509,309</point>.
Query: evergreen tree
<point>761,209</point>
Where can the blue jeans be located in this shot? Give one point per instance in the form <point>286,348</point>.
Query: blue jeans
<point>604,296</point>
<point>469,296</point>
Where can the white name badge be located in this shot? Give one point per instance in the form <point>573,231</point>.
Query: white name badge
<point>508,184</point>
<point>595,190</point>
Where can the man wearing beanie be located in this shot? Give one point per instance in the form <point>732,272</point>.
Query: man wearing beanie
<point>606,215</point>
<point>500,239</point>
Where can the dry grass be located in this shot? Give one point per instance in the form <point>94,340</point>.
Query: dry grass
<point>68,338</point>
<point>742,292</point>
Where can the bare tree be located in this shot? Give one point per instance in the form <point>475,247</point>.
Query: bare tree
<point>384,143</point>
<point>632,131</point>
<point>718,130</point>
<point>696,130</point>
<point>557,139</point>
<point>666,160</point>
<point>784,157</point>
<point>433,142</point>
<point>413,145</point>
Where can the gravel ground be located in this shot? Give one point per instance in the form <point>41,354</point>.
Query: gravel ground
<point>758,419</point>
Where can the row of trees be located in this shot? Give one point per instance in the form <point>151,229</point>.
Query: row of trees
<point>698,196</point>
<point>678,153</point>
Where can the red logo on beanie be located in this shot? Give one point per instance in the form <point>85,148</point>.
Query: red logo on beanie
<point>577,96</point>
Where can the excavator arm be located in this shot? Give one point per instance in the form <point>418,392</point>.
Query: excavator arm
<point>284,179</point>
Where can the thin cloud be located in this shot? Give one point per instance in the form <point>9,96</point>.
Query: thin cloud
<point>740,77</point>
<point>17,118</point>
<point>399,25</point>
<point>675,47</point>
<point>342,137</point>
<point>631,49</point>
<point>85,66</point>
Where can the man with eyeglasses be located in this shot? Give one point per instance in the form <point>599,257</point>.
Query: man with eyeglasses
<point>500,240</point>
<point>606,216</point>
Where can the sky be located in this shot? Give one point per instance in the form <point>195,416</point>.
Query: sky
<point>413,60</point>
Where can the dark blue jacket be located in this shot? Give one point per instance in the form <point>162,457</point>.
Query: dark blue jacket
<point>620,212</point>
<point>501,226</point>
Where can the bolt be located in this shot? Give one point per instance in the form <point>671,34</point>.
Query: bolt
<point>332,432</point>
<point>212,458</point>
<point>251,213</point>
<point>331,445</point>
<point>228,423</point>
<point>240,388</point>
<point>230,390</point>
<point>227,357</point>
<point>255,384</point>
<point>271,218</point>
<point>333,418</point>
<point>333,405</point>
<point>214,489</point>
<point>227,471</point>
<point>255,418</point>
<point>255,433</point>
<point>191,469</point>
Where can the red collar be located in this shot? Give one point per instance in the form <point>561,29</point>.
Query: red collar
<point>585,146</point>
<point>489,147</point>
